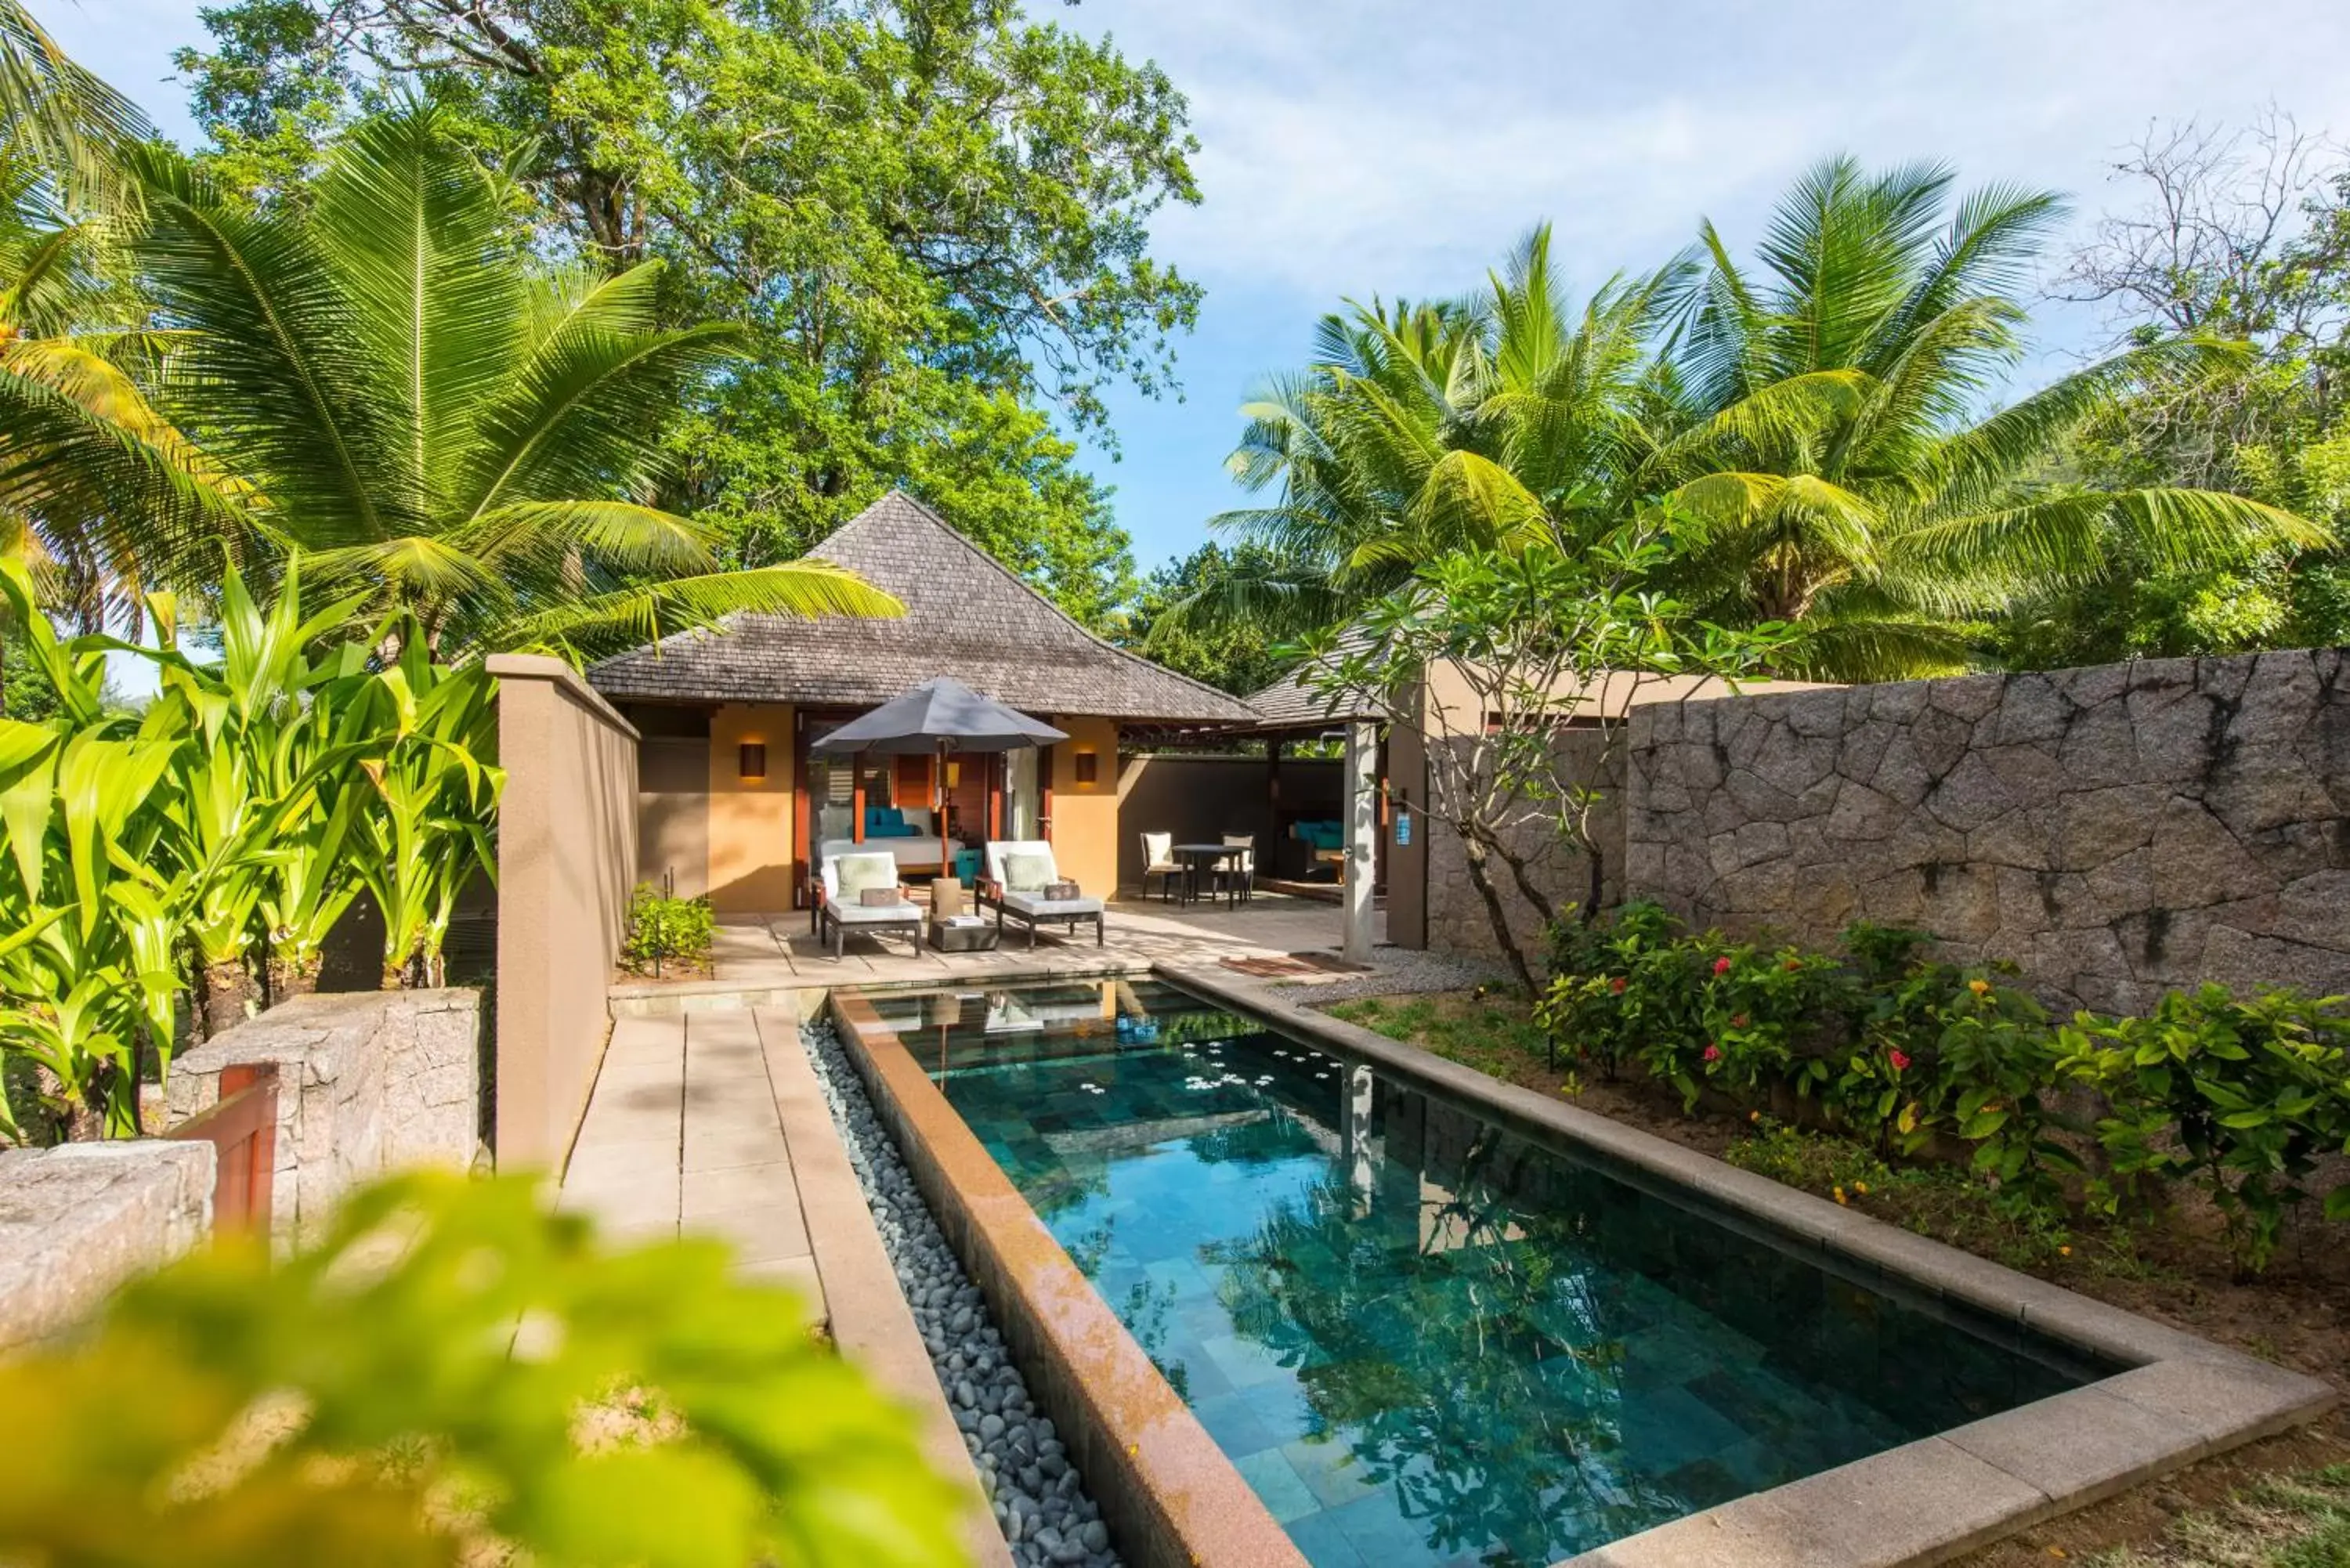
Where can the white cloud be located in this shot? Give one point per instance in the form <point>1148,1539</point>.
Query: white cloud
<point>1399,148</point>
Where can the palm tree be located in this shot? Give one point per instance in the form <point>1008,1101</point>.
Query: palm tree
<point>1485,423</point>
<point>56,115</point>
<point>1833,434</point>
<point>432,415</point>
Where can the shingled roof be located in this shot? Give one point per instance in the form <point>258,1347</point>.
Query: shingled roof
<point>966,617</point>
<point>1291,703</point>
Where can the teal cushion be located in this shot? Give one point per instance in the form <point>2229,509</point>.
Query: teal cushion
<point>855,873</point>
<point>1026,873</point>
<point>1322,835</point>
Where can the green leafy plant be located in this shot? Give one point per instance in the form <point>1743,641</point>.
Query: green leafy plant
<point>663,928</point>
<point>2239,1096</point>
<point>456,1375</point>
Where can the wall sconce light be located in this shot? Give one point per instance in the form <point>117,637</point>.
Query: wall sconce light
<point>1088,767</point>
<point>751,761</point>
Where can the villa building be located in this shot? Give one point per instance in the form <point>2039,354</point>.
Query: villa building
<point>733,805</point>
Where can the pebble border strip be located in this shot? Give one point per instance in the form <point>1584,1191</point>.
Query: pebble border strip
<point>1039,1502</point>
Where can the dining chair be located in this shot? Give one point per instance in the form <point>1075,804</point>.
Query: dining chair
<point>1239,871</point>
<point>1158,860</point>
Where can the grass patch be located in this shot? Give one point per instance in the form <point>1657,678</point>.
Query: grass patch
<point>1493,1033</point>
<point>2286,1522</point>
<point>1947,1204</point>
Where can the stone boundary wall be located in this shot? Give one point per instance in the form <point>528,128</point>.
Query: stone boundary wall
<point>78,1219</point>
<point>1457,920</point>
<point>2116,831</point>
<point>368,1082</point>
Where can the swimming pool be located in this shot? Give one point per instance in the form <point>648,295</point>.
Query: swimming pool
<point>1421,1336</point>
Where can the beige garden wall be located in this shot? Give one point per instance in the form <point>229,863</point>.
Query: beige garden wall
<point>566,860</point>
<point>1084,815</point>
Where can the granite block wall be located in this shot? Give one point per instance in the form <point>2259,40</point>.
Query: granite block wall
<point>368,1082</point>
<point>2116,831</point>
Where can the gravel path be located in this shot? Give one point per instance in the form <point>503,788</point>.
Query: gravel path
<point>1397,971</point>
<point>1037,1498</point>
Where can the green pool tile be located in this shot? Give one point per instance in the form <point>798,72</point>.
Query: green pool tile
<point>1283,1493</point>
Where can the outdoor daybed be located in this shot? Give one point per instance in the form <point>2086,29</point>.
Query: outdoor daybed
<point>840,907</point>
<point>1018,872</point>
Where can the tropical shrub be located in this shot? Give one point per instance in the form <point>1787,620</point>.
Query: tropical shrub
<point>2238,1098</point>
<point>455,1374</point>
<point>210,841</point>
<point>1917,1058</point>
<point>663,927</point>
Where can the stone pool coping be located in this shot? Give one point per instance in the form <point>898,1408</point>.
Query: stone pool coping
<point>1170,1494</point>
<point>2182,1399</point>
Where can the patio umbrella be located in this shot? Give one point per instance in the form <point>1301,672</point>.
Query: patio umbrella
<point>944,716</point>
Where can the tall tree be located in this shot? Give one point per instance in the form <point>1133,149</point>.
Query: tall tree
<point>2245,234</point>
<point>1235,654</point>
<point>1815,423</point>
<point>398,388</point>
<point>1491,422</point>
<point>929,217</point>
<point>1836,444</point>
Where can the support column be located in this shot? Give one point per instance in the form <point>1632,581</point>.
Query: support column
<point>1362,832</point>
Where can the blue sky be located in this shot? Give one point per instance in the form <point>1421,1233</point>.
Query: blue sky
<point>1392,148</point>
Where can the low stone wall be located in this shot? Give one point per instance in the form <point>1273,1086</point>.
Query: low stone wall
<point>2116,831</point>
<point>77,1220</point>
<point>368,1082</point>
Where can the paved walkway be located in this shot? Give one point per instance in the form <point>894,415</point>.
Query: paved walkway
<point>685,1133</point>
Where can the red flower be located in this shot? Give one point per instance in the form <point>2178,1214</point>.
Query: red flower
<point>1721,966</point>
<point>1738,1020</point>
<point>1794,964</point>
<point>1616,985</point>
<point>1713,1053</point>
<point>1901,1063</point>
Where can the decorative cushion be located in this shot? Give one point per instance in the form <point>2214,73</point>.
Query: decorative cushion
<point>878,897</point>
<point>1027,873</point>
<point>1063,888</point>
<point>855,873</point>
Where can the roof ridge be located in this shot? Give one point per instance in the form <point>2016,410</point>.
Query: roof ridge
<point>1025,587</point>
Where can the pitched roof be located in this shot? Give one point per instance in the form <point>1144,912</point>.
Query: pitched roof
<point>1290,703</point>
<point>966,616</point>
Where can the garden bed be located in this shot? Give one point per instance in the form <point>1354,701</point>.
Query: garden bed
<point>2177,1270</point>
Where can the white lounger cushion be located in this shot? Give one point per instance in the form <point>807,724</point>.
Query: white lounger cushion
<point>864,869</point>
<point>1036,904</point>
<point>865,914</point>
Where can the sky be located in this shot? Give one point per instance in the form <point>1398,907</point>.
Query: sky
<point>1382,147</point>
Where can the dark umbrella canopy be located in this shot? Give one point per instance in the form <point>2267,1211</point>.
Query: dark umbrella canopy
<point>940,712</point>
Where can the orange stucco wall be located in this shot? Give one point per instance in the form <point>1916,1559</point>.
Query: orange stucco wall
<point>1085,816</point>
<point>750,819</point>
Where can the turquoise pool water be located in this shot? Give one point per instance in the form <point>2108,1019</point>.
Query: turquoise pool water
<point>1423,1339</point>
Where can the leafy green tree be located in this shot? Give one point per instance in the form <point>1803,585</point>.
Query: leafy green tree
<point>1492,422</point>
<point>1231,653</point>
<point>931,222</point>
<point>400,392</point>
<point>453,1375</point>
<point>1816,421</point>
<point>1836,449</point>
<point>2243,233</point>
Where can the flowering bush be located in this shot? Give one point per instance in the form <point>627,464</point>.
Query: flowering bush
<point>2239,1097</point>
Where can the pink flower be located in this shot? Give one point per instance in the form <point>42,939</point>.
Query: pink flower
<point>1901,1063</point>
<point>1721,966</point>
<point>1713,1053</point>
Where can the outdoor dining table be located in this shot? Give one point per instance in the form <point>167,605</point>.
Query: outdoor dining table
<point>1197,857</point>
